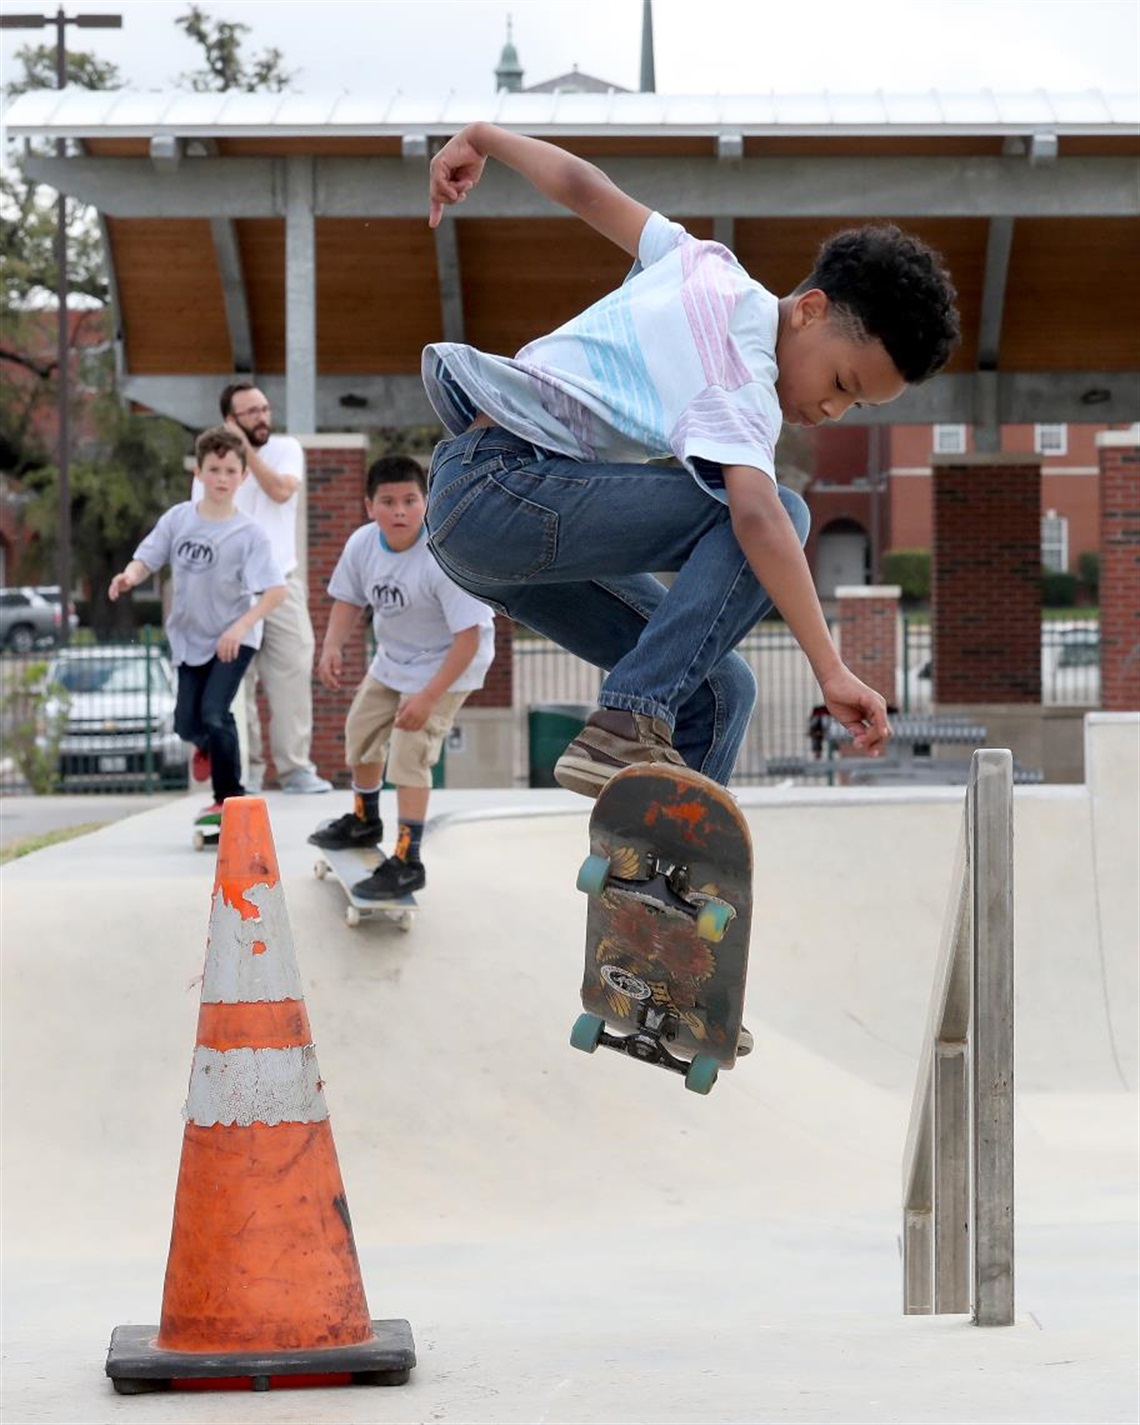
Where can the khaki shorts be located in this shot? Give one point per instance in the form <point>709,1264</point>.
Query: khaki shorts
<point>407,757</point>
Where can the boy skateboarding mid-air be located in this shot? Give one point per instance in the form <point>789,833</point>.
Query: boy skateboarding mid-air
<point>542,502</point>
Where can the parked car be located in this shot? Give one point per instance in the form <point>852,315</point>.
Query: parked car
<point>50,592</point>
<point>27,620</point>
<point>117,706</point>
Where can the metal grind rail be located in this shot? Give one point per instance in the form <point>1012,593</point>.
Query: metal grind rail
<point>958,1219</point>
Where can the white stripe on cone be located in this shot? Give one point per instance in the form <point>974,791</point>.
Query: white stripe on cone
<point>237,972</point>
<point>246,1086</point>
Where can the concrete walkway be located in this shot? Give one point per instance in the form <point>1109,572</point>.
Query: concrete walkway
<point>578,1239</point>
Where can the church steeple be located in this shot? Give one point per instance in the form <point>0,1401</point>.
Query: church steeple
<point>509,72</point>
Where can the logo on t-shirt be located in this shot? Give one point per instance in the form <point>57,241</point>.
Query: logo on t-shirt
<point>389,599</point>
<point>194,554</point>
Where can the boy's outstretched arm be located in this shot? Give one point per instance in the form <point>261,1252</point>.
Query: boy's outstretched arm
<point>344,618</point>
<point>560,176</point>
<point>135,572</point>
<point>765,534</point>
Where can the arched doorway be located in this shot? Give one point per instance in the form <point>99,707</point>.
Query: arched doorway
<point>842,556</point>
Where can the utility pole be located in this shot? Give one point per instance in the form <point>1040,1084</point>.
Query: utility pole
<point>63,335</point>
<point>648,69</point>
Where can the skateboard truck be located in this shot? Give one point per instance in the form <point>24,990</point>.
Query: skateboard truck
<point>665,890</point>
<point>656,1023</point>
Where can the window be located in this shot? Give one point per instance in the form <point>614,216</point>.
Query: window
<point>1051,440</point>
<point>1054,542</point>
<point>949,440</point>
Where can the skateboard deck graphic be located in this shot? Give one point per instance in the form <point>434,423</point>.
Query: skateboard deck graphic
<point>350,866</point>
<point>669,881</point>
<point>207,829</point>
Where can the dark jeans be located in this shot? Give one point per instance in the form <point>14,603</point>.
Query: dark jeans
<point>561,546</point>
<point>202,716</point>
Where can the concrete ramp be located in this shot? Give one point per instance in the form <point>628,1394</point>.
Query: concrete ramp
<point>578,1238</point>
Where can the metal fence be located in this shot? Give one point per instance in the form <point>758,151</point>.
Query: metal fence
<point>1070,664</point>
<point>113,729</point>
<point>787,692</point>
<point>91,718</point>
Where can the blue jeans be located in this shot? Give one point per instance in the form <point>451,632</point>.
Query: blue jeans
<point>563,547</point>
<point>202,716</point>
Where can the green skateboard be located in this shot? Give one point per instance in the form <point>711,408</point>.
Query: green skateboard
<point>207,829</point>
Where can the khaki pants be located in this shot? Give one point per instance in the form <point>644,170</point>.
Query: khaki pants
<point>370,736</point>
<point>284,667</point>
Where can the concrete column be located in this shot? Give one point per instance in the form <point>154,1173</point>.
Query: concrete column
<point>300,296</point>
<point>1119,456</point>
<point>867,628</point>
<point>986,595</point>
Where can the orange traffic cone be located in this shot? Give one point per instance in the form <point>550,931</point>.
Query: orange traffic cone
<point>262,1279</point>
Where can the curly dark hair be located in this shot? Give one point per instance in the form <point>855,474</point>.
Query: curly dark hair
<point>889,285</point>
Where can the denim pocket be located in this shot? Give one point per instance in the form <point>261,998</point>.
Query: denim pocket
<point>487,531</point>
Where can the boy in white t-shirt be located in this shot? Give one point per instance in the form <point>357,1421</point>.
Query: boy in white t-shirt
<point>434,644</point>
<point>547,498</point>
<point>226,581</point>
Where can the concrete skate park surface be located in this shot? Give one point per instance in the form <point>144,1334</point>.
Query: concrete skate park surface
<point>579,1239</point>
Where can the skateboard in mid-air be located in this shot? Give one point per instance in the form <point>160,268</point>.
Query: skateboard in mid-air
<point>351,866</point>
<point>669,881</point>
<point>207,829</point>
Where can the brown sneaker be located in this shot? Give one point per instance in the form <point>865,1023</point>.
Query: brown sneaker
<point>612,739</point>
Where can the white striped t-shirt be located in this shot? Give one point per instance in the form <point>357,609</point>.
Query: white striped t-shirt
<point>680,360</point>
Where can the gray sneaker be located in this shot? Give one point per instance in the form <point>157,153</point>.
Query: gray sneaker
<point>613,738</point>
<point>303,781</point>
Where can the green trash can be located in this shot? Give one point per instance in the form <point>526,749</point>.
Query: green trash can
<point>550,726</point>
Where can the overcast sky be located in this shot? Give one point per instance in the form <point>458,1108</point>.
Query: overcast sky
<point>428,48</point>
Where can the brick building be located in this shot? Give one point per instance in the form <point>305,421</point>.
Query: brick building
<point>872,491</point>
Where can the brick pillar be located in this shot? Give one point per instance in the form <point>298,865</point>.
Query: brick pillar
<point>499,689</point>
<point>868,622</point>
<point>986,596</point>
<point>1119,455</point>
<point>334,506</point>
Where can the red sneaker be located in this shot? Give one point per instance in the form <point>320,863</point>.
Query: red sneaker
<point>200,765</point>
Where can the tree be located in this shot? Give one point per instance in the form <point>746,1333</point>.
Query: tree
<point>226,68</point>
<point>115,498</point>
<point>29,270</point>
<point>81,69</point>
<point>126,468</point>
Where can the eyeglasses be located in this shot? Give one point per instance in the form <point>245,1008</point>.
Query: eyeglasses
<point>252,411</point>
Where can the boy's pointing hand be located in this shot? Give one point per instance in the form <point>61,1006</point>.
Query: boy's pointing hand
<point>454,171</point>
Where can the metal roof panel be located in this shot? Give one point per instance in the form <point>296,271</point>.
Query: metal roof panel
<point>84,113</point>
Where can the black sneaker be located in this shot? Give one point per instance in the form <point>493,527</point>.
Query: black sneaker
<point>347,832</point>
<point>391,879</point>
